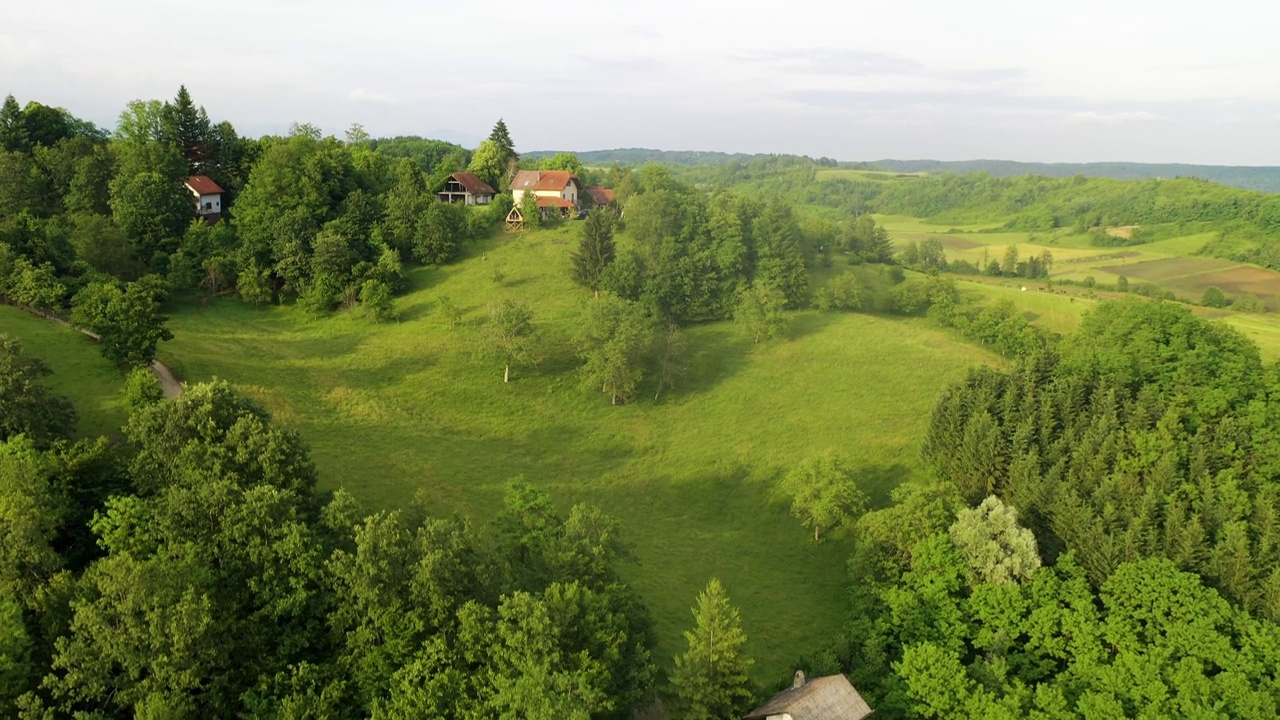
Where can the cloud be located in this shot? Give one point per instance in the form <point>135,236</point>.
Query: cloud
<point>1112,118</point>
<point>370,97</point>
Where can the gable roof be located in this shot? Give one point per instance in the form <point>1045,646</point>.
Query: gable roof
<point>556,180</point>
<point>525,180</point>
<point>473,184</point>
<point>202,185</point>
<point>554,202</point>
<point>824,698</point>
<point>600,195</point>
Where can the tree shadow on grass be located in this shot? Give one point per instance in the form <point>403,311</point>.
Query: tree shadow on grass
<point>810,323</point>
<point>879,481</point>
<point>715,355</point>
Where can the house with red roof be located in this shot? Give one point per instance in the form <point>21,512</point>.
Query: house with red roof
<point>208,197</point>
<point>555,189</point>
<point>600,196</point>
<point>468,189</point>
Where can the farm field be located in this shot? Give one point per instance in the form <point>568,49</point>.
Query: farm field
<point>408,410</point>
<point>79,372</point>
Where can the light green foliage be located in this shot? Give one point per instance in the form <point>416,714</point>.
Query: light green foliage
<point>843,292</point>
<point>563,161</point>
<point>128,322</point>
<point>30,519</point>
<point>449,313</point>
<point>489,163</point>
<point>1249,304</point>
<point>824,495</point>
<point>996,548</point>
<point>36,287</point>
<point>1009,264</point>
<point>141,388</point>
<point>375,296</point>
<point>710,678</point>
<point>614,344</point>
<point>672,358</point>
<point>510,335</point>
<point>211,433</point>
<point>761,310</point>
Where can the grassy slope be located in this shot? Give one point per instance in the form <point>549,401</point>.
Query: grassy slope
<point>79,372</point>
<point>408,409</point>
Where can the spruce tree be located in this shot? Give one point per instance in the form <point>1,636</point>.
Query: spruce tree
<point>595,252</point>
<point>13,132</point>
<point>710,678</point>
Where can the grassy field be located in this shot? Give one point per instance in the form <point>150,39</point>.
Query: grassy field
<point>1170,264</point>
<point>79,372</point>
<point>409,409</point>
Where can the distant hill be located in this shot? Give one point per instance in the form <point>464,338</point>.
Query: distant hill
<point>640,156</point>
<point>1266,179</point>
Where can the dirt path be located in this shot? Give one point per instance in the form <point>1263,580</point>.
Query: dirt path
<point>172,388</point>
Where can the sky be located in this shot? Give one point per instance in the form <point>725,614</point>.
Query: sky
<point>1047,81</point>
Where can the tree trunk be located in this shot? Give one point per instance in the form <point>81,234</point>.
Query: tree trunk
<point>815,534</point>
<point>506,373</point>
<point>597,293</point>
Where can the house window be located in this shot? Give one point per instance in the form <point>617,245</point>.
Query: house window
<point>208,206</point>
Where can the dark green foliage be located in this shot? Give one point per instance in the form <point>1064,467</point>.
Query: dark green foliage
<point>1213,297</point>
<point>1144,434</point>
<point>595,251</point>
<point>440,230</point>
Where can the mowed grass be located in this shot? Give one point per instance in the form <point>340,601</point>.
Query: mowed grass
<point>408,409</point>
<point>79,371</point>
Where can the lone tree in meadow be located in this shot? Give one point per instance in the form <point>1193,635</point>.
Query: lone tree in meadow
<point>710,678</point>
<point>760,310</point>
<point>1213,297</point>
<point>595,251</point>
<point>614,342</point>
<point>823,494</point>
<point>671,358</point>
<point>510,334</point>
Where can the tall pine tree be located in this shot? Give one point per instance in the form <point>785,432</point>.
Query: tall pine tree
<point>710,678</point>
<point>595,251</point>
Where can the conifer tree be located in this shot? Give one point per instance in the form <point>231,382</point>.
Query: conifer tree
<point>595,252</point>
<point>710,678</point>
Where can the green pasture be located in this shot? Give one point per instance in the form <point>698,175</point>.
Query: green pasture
<point>409,409</point>
<point>79,372</point>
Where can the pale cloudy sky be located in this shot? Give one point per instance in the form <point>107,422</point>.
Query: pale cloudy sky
<point>1034,80</point>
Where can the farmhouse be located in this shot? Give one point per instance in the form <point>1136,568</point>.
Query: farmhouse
<point>556,185</point>
<point>467,188</point>
<point>600,196</point>
<point>208,197</point>
<point>824,698</point>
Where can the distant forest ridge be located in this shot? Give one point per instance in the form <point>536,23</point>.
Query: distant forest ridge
<point>1266,179</point>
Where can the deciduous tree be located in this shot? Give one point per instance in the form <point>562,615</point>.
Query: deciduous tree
<point>823,494</point>
<point>761,310</point>
<point>510,334</point>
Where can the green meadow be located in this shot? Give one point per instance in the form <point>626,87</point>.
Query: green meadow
<point>79,372</point>
<point>412,411</point>
<point>409,410</point>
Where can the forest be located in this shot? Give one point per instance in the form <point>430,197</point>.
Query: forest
<point>1096,532</point>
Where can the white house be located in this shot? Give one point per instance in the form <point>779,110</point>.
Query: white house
<point>208,197</point>
<point>553,188</point>
<point>467,188</point>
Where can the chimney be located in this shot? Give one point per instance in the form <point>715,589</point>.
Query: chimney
<point>799,681</point>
